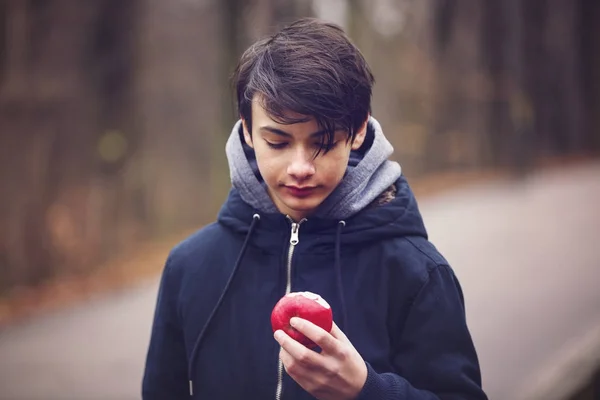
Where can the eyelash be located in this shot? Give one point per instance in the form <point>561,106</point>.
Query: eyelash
<point>279,146</point>
<point>276,145</point>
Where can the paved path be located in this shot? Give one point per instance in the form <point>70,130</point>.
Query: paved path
<point>527,255</point>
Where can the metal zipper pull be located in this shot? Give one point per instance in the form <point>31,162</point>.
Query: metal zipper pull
<point>294,239</point>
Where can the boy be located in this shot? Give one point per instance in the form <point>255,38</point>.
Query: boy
<point>315,206</point>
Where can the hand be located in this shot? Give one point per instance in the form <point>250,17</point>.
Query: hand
<point>337,373</point>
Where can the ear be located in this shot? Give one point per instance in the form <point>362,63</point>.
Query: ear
<point>247,136</point>
<point>359,139</point>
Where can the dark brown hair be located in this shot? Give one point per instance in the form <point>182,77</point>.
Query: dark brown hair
<point>310,68</point>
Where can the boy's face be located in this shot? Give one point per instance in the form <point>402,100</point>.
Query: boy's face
<point>297,181</point>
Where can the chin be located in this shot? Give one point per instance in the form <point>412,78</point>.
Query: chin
<point>302,205</point>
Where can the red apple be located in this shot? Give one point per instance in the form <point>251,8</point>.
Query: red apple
<point>306,305</point>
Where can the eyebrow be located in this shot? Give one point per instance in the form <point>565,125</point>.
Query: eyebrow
<point>286,134</point>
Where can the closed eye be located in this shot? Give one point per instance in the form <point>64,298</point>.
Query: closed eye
<point>276,145</point>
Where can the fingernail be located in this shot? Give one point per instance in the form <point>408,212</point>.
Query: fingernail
<point>278,335</point>
<point>294,321</point>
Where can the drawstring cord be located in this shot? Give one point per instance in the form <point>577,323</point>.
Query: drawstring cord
<point>255,219</point>
<point>338,272</point>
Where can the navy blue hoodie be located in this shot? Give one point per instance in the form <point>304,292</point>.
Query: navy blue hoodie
<point>391,292</point>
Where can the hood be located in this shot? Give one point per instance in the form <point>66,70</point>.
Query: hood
<point>368,174</point>
<point>400,217</point>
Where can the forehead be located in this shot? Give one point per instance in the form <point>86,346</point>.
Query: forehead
<point>259,112</point>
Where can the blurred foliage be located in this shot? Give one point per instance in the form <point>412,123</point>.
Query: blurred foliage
<point>114,115</point>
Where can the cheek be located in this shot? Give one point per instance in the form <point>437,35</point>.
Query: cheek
<point>269,165</point>
<point>335,166</point>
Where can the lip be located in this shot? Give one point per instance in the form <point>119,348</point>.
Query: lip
<point>297,191</point>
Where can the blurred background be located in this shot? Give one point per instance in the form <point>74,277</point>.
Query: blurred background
<point>114,116</point>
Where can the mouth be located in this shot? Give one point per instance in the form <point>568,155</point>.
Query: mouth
<point>301,192</point>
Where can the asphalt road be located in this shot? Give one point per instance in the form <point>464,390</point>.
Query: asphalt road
<point>527,255</point>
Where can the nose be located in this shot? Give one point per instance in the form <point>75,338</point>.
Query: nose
<point>301,166</point>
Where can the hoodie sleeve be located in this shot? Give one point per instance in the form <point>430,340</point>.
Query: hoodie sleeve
<point>165,374</point>
<point>436,358</point>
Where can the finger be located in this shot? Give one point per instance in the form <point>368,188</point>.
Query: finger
<point>290,365</point>
<point>320,336</point>
<point>286,358</point>
<point>303,375</point>
<point>337,333</point>
<point>296,350</point>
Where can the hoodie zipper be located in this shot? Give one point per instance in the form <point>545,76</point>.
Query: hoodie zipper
<point>294,239</point>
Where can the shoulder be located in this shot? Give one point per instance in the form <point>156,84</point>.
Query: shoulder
<point>413,259</point>
<point>196,247</point>
<point>416,252</point>
<point>422,247</point>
